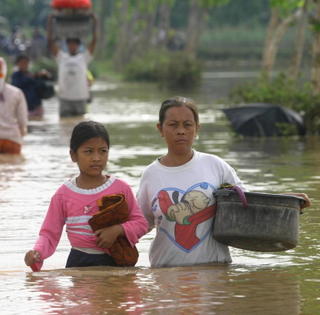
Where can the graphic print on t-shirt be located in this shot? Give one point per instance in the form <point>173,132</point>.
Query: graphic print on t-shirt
<point>186,210</point>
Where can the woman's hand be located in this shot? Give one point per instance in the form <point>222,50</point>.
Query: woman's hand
<point>107,236</point>
<point>304,196</point>
<point>32,257</point>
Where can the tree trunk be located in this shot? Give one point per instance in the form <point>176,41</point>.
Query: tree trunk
<point>196,22</point>
<point>102,42</point>
<point>315,70</point>
<point>275,32</point>
<point>268,52</point>
<point>120,54</point>
<point>164,25</point>
<point>299,43</point>
<point>130,42</point>
<point>146,38</point>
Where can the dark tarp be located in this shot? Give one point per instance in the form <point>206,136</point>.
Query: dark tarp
<point>263,120</point>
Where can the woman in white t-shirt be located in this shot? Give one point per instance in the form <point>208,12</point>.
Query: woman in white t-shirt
<point>176,192</point>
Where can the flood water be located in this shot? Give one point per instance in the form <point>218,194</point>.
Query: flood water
<point>255,283</point>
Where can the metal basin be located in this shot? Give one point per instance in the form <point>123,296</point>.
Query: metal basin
<point>269,223</point>
<point>72,25</point>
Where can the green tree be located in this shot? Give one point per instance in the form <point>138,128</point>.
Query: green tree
<point>24,12</point>
<point>197,20</point>
<point>240,13</point>
<point>103,9</point>
<point>299,42</point>
<point>137,30</point>
<point>315,70</point>
<point>283,14</point>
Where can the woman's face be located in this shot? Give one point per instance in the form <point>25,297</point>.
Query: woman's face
<point>23,65</point>
<point>73,47</point>
<point>179,129</point>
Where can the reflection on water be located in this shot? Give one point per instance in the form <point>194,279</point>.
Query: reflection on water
<point>187,290</point>
<point>256,283</point>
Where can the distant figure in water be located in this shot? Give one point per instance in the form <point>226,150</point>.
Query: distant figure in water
<point>31,85</point>
<point>73,88</point>
<point>13,114</point>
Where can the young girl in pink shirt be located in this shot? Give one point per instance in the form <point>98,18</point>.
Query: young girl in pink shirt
<point>78,200</point>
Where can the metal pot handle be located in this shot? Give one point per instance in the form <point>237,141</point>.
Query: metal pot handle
<point>238,190</point>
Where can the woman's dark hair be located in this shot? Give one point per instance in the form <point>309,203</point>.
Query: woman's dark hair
<point>178,101</point>
<point>75,40</point>
<point>21,57</point>
<point>86,130</point>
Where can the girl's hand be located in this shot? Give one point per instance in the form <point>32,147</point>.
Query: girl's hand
<point>107,236</point>
<point>32,257</point>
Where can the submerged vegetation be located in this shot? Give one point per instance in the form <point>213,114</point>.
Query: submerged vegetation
<point>285,91</point>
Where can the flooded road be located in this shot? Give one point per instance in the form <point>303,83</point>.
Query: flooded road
<point>255,283</point>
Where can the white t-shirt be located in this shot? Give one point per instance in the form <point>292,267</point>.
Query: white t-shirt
<point>72,75</point>
<point>179,202</point>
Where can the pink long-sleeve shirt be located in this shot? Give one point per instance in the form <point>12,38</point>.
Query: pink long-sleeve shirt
<point>73,207</point>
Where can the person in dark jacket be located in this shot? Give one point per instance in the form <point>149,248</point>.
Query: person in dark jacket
<point>30,85</point>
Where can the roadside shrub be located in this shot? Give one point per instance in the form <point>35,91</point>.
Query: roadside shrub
<point>181,71</point>
<point>146,67</point>
<point>169,69</point>
<point>283,91</point>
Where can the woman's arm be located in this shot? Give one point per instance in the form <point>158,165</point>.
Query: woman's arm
<point>92,44</point>
<point>53,47</point>
<point>22,113</point>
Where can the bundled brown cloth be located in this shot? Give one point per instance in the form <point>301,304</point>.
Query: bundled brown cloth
<point>113,209</point>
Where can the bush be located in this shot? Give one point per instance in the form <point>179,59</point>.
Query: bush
<point>285,92</point>
<point>181,71</point>
<point>169,69</point>
<point>145,68</point>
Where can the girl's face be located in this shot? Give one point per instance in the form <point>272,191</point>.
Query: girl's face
<point>91,157</point>
<point>179,129</point>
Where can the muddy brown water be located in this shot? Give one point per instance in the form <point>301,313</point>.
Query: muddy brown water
<point>255,283</point>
